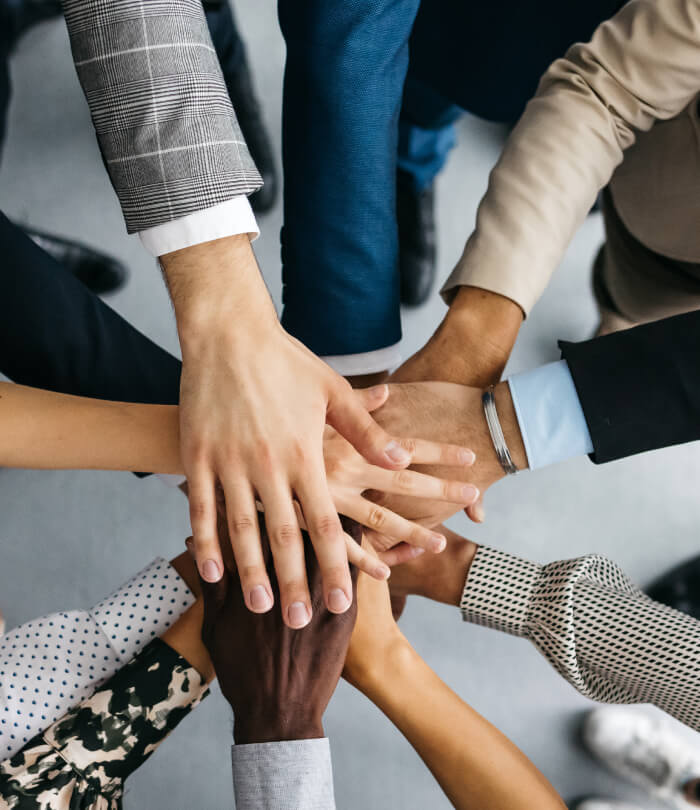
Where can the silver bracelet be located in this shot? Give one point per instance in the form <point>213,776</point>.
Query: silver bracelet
<point>494,424</point>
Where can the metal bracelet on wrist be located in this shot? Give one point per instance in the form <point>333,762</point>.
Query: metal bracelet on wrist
<point>494,424</point>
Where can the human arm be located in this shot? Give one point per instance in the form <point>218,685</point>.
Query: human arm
<point>278,682</point>
<point>639,67</point>
<point>476,766</point>
<point>597,629</point>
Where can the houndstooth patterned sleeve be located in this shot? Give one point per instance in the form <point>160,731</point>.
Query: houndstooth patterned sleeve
<point>163,117</point>
<point>597,629</point>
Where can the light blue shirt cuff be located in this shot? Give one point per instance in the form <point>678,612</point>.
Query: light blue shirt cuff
<point>550,415</point>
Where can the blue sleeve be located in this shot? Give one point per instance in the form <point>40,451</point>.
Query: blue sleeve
<point>550,415</point>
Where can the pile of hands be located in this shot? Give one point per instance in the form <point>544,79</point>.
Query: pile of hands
<point>282,630</point>
<point>266,426</point>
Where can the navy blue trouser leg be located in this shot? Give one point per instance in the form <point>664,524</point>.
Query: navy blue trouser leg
<point>56,334</point>
<point>346,65</point>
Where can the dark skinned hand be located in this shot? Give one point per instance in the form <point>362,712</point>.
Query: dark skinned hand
<point>278,681</point>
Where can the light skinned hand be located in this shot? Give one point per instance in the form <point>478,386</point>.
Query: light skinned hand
<point>439,411</point>
<point>254,403</point>
<point>349,476</point>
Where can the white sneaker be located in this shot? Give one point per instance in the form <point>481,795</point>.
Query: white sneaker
<point>643,749</point>
<point>605,804</point>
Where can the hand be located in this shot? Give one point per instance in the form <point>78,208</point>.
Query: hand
<point>437,411</point>
<point>376,637</point>
<point>253,405</point>
<point>439,577</point>
<point>278,681</point>
<point>350,475</point>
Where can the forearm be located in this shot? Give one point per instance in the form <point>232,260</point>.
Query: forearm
<point>215,285</point>
<point>472,344</point>
<point>185,637</point>
<point>45,430</point>
<point>640,66</point>
<point>476,765</point>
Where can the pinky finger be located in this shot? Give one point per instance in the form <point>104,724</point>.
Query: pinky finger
<point>402,553</point>
<point>365,561</point>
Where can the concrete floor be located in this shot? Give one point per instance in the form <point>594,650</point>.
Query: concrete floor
<point>67,538</point>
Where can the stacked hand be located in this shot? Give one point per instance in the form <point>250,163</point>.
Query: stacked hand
<point>277,680</point>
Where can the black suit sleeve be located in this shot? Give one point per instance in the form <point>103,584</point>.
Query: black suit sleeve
<point>640,388</point>
<point>56,334</point>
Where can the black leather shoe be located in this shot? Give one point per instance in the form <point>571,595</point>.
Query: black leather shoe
<point>415,216</point>
<point>249,114</point>
<point>100,273</point>
<point>679,588</point>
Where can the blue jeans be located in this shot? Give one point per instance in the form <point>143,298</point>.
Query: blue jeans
<point>347,65</point>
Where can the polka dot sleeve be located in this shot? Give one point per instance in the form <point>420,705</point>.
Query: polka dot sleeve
<point>51,664</point>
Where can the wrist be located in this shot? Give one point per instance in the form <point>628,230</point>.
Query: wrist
<point>510,425</point>
<point>481,328</point>
<point>271,725</point>
<point>374,672</point>
<point>383,680</point>
<point>216,286</point>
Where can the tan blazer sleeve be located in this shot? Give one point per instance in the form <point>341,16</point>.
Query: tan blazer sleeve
<point>642,65</point>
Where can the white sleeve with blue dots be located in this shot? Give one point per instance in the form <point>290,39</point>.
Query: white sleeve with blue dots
<point>50,665</point>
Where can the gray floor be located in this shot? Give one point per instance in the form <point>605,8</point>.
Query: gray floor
<point>67,538</point>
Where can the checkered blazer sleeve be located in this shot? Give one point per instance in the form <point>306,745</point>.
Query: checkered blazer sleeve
<point>597,629</point>
<point>164,121</point>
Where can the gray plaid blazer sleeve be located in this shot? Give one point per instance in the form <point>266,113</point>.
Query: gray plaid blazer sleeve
<point>164,121</point>
<point>295,775</point>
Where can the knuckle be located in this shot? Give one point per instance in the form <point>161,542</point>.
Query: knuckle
<point>285,535</point>
<point>263,453</point>
<point>251,573</point>
<point>327,526</point>
<point>242,524</point>
<point>376,517</point>
<point>336,575</point>
<point>404,480</point>
<point>409,445</point>
<point>199,510</point>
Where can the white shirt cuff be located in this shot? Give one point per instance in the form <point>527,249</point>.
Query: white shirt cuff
<point>349,365</point>
<point>228,218</point>
<point>550,415</point>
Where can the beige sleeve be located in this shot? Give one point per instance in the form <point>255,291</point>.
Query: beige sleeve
<point>642,65</point>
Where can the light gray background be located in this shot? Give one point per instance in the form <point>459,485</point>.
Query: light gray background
<point>68,538</point>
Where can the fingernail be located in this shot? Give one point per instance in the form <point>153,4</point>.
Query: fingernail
<point>298,615</point>
<point>189,545</point>
<point>377,391</point>
<point>396,453</point>
<point>416,552</point>
<point>479,513</point>
<point>467,457</point>
<point>438,543</point>
<point>338,601</point>
<point>210,571</point>
<point>260,599</point>
<point>469,493</point>
<point>382,571</point>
